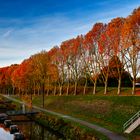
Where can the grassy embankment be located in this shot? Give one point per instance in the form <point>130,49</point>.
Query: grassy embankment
<point>110,112</point>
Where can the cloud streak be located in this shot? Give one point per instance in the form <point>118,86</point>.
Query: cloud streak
<point>7,33</point>
<point>20,38</point>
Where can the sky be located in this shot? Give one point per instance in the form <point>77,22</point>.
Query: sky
<point>29,26</point>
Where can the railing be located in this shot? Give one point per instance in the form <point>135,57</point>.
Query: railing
<point>20,112</point>
<point>131,120</point>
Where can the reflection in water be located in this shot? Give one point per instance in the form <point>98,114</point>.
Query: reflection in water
<point>5,134</point>
<point>31,131</point>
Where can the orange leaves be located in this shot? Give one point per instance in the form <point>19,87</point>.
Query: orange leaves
<point>102,43</point>
<point>131,30</point>
<point>111,36</point>
<point>52,53</point>
<point>21,75</point>
<point>84,55</point>
<point>92,37</point>
<point>5,75</point>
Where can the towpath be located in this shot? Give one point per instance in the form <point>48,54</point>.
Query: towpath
<point>110,134</point>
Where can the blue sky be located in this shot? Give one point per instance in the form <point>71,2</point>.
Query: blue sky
<point>29,26</point>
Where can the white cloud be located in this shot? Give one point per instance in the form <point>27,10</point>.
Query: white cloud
<point>25,37</point>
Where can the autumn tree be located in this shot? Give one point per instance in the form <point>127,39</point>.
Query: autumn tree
<point>9,72</point>
<point>59,61</point>
<point>113,37</point>
<point>92,53</point>
<point>105,54</point>
<point>131,44</point>
<point>41,63</point>
<point>116,69</point>
<point>54,60</point>
<point>76,63</point>
<point>3,81</point>
<point>22,79</point>
<point>65,47</point>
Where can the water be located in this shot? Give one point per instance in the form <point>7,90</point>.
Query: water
<point>4,133</point>
<point>30,129</point>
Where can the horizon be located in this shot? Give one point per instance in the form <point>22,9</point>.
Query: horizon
<point>32,26</point>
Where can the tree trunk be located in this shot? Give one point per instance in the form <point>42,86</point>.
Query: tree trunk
<point>105,90</point>
<point>19,92</point>
<point>13,92</point>
<point>94,88</point>
<point>26,92</point>
<point>38,91</point>
<point>34,89</point>
<point>60,90</point>
<point>8,91</point>
<point>54,91</point>
<point>43,95</point>
<point>85,87</point>
<point>75,88</point>
<point>68,89</point>
<point>31,100</point>
<point>48,91</point>
<point>119,86</point>
<point>134,88</point>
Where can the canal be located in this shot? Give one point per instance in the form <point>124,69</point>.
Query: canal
<point>31,129</point>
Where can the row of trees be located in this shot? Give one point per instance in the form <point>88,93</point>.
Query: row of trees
<point>107,51</point>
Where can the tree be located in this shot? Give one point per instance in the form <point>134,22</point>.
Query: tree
<point>105,54</point>
<point>3,81</point>
<point>53,56</point>
<point>9,72</point>
<point>92,53</point>
<point>113,36</point>
<point>65,48</point>
<point>116,70</point>
<point>59,61</point>
<point>131,44</point>
<point>76,63</point>
<point>41,63</point>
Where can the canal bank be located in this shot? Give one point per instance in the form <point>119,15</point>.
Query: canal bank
<point>31,129</point>
<point>111,135</point>
<point>63,129</point>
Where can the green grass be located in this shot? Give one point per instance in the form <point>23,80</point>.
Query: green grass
<point>87,129</point>
<point>111,110</point>
<point>83,128</point>
<point>108,111</point>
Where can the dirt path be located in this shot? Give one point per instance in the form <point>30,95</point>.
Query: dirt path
<point>110,134</point>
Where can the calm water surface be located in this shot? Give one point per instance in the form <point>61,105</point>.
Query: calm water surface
<point>30,129</point>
